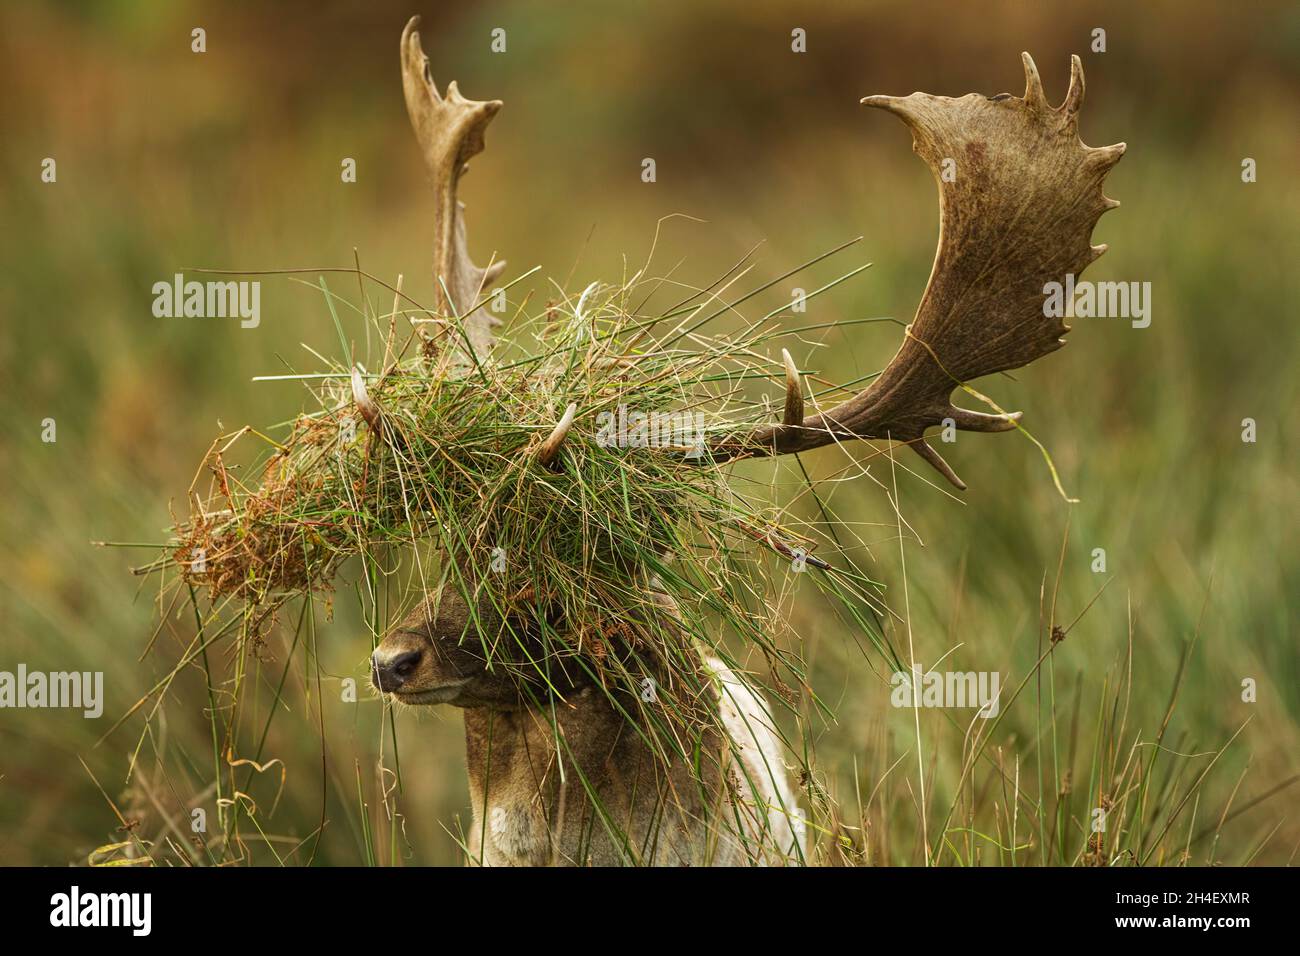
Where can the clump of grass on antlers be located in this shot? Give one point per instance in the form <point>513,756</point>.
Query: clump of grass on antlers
<point>453,459</point>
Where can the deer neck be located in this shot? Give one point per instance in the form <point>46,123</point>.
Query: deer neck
<point>525,814</point>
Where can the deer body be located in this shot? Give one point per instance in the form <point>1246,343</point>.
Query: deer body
<point>525,814</point>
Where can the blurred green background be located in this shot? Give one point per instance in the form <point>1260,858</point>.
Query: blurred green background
<point>230,159</point>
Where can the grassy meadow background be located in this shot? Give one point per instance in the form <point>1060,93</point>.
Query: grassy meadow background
<point>230,159</point>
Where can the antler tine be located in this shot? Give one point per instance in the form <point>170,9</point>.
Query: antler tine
<point>893,104</point>
<point>365,404</point>
<point>793,416</point>
<point>1034,95</point>
<point>1018,214</point>
<point>450,132</point>
<point>551,447</point>
<point>923,448</point>
<point>1074,97</point>
<point>1104,157</point>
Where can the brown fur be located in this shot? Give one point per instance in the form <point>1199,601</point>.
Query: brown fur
<point>602,797</point>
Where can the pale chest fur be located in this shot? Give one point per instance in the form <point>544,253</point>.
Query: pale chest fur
<point>528,813</point>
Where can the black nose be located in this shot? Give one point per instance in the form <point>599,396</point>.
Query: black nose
<point>390,674</point>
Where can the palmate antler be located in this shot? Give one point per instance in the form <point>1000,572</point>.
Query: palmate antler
<point>1018,214</point>
<point>450,132</point>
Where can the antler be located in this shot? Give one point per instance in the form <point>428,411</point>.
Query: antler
<point>450,131</point>
<point>1018,214</point>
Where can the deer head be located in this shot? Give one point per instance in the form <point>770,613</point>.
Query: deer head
<point>444,652</point>
<point>1019,195</point>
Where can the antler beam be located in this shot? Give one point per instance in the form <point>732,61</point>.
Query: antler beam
<point>1019,213</point>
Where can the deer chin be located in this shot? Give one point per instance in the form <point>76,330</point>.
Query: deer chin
<point>442,694</point>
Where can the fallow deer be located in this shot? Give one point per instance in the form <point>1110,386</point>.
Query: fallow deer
<point>1019,197</point>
